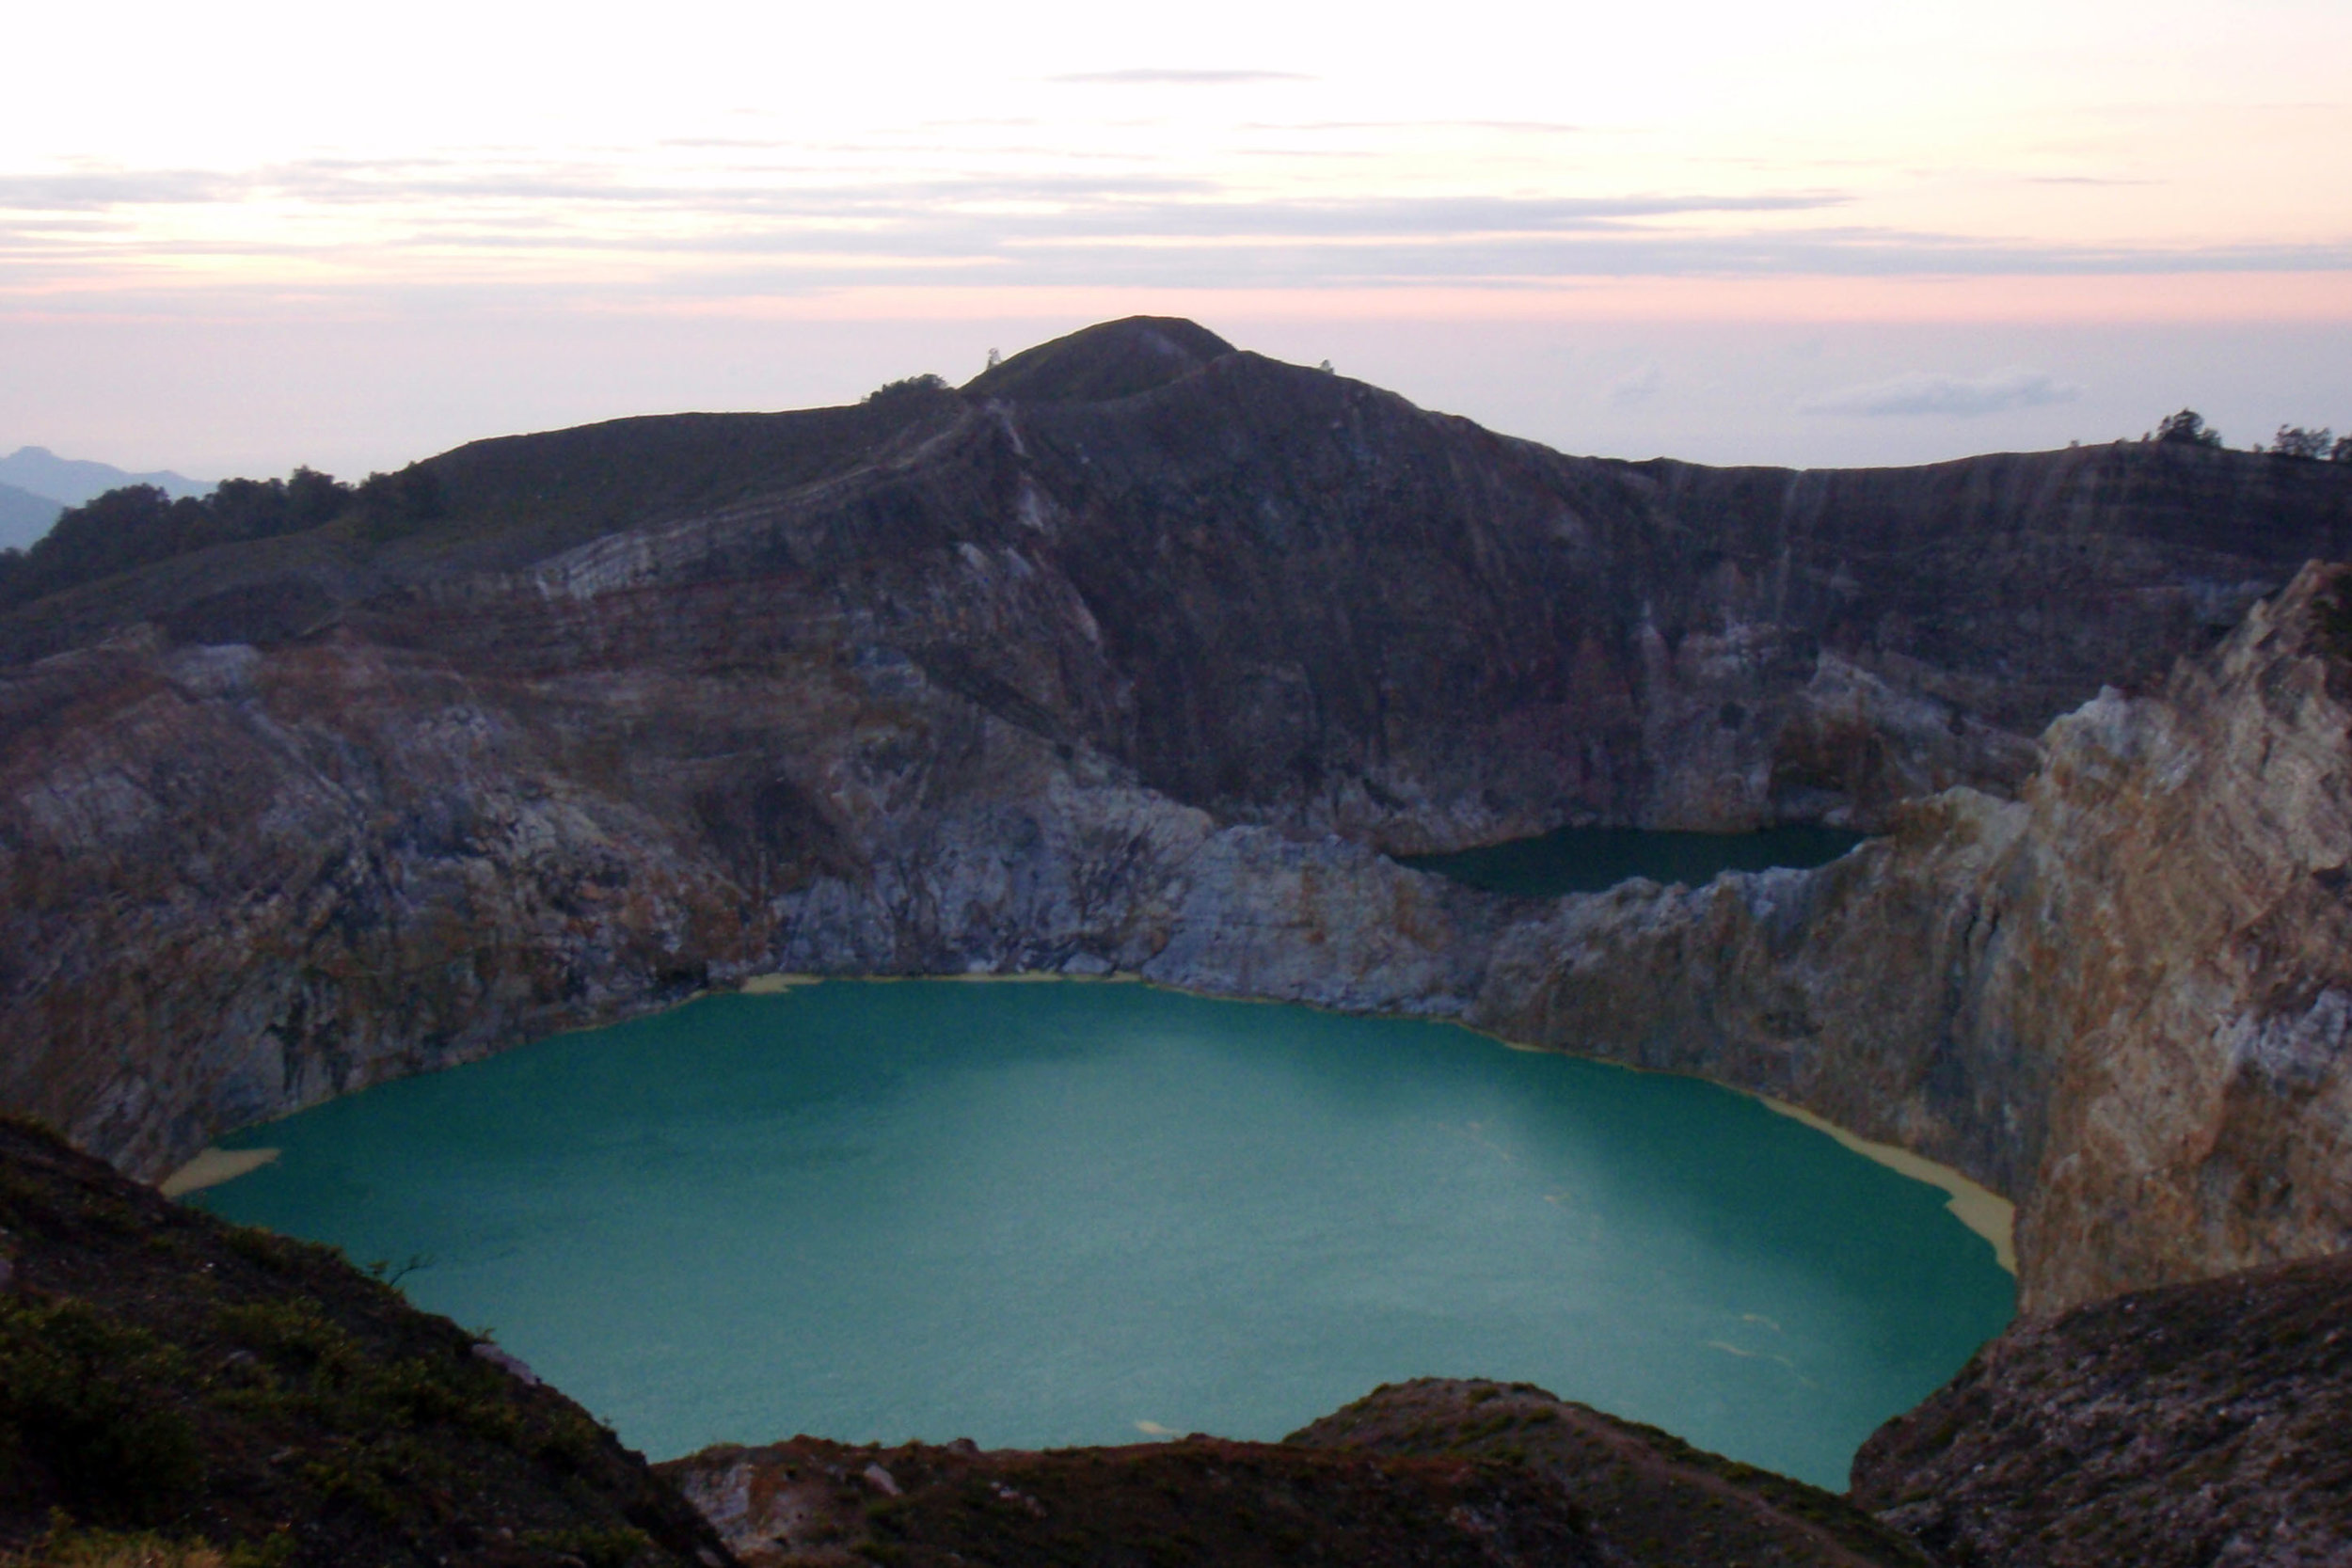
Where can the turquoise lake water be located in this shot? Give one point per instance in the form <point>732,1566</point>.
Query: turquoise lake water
<point>1588,860</point>
<point>1053,1214</point>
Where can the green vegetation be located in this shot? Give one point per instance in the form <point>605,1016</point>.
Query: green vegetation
<point>67,1546</point>
<point>140,524</point>
<point>2187,428</point>
<point>597,1548</point>
<point>180,1393</point>
<point>303,1368</point>
<point>2316,445</point>
<point>913,386</point>
<point>86,1396</point>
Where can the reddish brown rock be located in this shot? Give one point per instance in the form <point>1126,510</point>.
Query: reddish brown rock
<point>2123,999</point>
<point>1433,1471</point>
<point>2206,1424</point>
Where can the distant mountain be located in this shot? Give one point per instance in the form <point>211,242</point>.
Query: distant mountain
<point>70,482</point>
<point>25,517</point>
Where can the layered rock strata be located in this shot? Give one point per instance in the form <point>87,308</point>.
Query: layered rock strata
<point>2123,999</point>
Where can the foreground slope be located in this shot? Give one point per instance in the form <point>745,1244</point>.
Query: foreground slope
<point>162,1370</point>
<point>1433,1471</point>
<point>2205,1424</point>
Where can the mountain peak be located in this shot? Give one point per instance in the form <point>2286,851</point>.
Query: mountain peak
<point>70,482</point>
<point>1111,360</point>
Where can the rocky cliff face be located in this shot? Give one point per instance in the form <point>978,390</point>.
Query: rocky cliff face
<point>1131,656</point>
<point>2122,998</point>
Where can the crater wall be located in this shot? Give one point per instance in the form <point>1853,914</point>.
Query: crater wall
<point>1137,660</point>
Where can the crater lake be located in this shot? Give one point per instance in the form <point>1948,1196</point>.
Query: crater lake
<point>1051,1213</point>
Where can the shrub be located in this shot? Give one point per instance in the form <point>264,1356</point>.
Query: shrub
<point>67,1547</point>
<point>2187,428</point>
<point>913,386</point>
<point>390,505</point>
<point>597,1548</point>
<point>139,524</point>
<point>82,1398</point>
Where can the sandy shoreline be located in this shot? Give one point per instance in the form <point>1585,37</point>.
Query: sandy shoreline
<point>1976,1206</point>
<point>212,1166</point>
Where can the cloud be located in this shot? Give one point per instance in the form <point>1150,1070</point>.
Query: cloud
<point>1523,127</point>
<point>757,222</point>
<point>1952,396</point>
<point>1153,77</point>
<point>85,190</point>
<point>1637,386</point>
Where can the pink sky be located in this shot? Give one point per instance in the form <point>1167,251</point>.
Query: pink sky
<point>1819,232</point>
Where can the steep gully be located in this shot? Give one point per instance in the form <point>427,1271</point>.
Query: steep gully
<point>1136,656</point>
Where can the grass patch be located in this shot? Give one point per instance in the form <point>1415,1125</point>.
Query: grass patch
<point>86,1397</point>
<point>67,1546</point>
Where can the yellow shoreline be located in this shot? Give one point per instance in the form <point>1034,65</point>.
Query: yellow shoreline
<point>1978,1206</point>
<point>212,1166</point>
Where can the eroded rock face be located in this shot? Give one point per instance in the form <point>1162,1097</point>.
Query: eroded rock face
<point>2206,1424</point>
<point>1131,657</point>
<point>2120,999</point>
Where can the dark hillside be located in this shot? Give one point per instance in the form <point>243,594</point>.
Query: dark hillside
<point>495,505</point>
<point>162,1372</point>
<point>2014,568</point>
<point>1114,359</point>
<point>2208,1423</point>
<point>515,498</point>
<point>1425,1473</point>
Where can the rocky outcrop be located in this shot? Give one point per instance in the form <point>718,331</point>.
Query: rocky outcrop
<point>2123,999</point>
<point>2206,1424</point>
<point>1432,1471</point>
<point>1134,656</point>
<point>242,883</point>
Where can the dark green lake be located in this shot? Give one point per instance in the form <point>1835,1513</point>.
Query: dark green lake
<point>1057,1213</point>
<point>1588,860</point>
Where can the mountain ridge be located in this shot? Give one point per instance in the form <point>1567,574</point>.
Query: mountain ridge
<point>25,517</point>
<point>1150,679</point>
<point>71,480</point>
<point>943,682</point>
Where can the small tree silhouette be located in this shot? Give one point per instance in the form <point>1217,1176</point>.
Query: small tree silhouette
<point>2187,428</point>
<point>2294,441</point>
